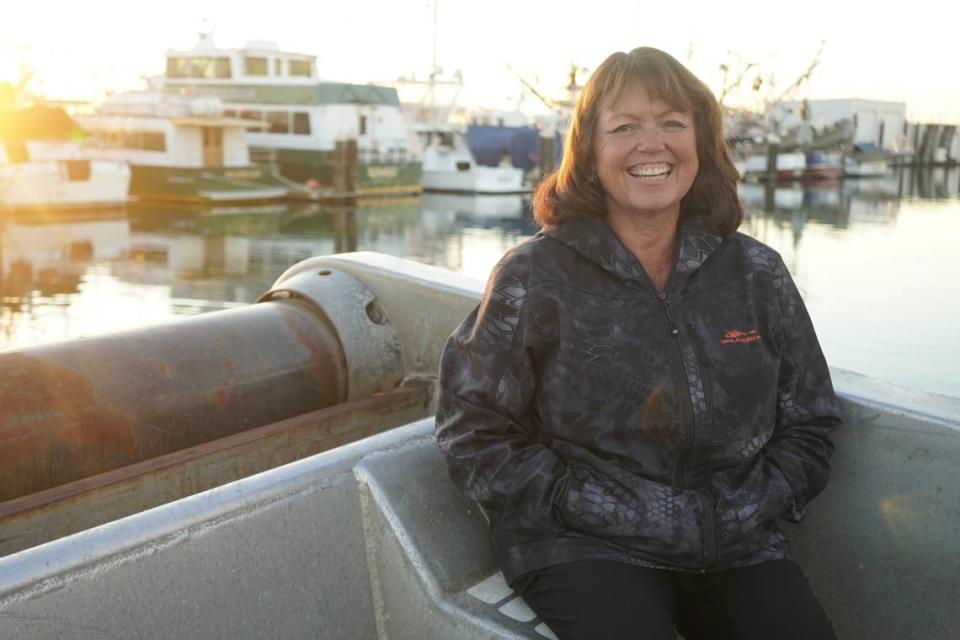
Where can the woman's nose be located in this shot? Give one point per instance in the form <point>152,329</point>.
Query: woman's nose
<point>649,138</point>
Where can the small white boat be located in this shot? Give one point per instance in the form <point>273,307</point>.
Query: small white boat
<point>41,167</point>
<point>866,161</point>
<point>68,182</point>
<point>448,165</point>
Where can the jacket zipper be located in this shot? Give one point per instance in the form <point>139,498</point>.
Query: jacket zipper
<point>709,533</point>
<point>710,498</point>
<point>688,403</point>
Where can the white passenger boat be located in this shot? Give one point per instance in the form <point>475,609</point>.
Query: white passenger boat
<point>301,117</point>
<point>180,149</point>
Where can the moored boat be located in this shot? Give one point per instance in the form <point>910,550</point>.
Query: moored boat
<point>41,167</point>
<point>448,165</point>
<point>866,161</point>
<point>301,118</point>
<point>789,167</point>
<point>180,149</point>
<point>822,165</point>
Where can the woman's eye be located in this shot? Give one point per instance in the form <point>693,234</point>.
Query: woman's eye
<point>675,124</point>
<point>623,128</point>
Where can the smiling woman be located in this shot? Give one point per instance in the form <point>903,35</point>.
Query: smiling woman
<point>640,395</point>
<point>645,152</point>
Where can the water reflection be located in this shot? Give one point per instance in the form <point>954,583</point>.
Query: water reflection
<point>854,248</point>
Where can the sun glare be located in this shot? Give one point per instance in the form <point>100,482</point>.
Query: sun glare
<point>538,39</point>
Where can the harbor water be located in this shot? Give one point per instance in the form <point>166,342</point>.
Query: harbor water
<point>875,260</point>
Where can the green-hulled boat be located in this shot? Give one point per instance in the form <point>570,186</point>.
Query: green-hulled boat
<point>301,118</point>
<point>180,149</point>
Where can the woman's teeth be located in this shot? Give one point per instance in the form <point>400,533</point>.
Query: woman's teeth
<point>649,171</point>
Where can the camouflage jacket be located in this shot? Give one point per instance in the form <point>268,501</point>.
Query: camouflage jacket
<point>593,418</point>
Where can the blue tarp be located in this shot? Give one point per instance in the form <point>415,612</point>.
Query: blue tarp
<point>489,143</point>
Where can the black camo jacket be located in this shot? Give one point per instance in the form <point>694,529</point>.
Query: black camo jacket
<point>594,418</point>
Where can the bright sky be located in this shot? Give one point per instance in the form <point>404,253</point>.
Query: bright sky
<point>897,51</point>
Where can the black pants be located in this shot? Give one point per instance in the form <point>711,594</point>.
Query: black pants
<point>603,600</point>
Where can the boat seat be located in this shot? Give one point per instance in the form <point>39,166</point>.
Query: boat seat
<point>429,555</point>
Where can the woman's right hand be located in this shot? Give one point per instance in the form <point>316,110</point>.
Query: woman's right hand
<point>634,509</point>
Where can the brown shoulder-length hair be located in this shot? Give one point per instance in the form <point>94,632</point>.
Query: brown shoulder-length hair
<point>573,190</point>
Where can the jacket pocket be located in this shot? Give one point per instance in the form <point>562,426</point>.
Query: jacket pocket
<point>660,521</point>
<point>747,509</point>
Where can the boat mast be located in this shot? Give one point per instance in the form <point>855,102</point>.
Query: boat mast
<point>433,64</point>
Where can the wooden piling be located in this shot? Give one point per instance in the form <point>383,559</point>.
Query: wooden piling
<point>773,149</point>
<point>547,150</point>
<point>345,170</point>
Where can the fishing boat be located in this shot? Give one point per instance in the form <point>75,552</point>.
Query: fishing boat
<point>328,512</point>
<point>789,167</point>
<point>866,160</point>
<point>180,149</point>
<point>301,118</point>
<point>822,165</point>
<point>448,165</point>
<point>41,167</point>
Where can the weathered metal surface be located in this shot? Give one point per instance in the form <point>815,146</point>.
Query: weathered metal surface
<point>424,303</point>
<point>47,515</point>
<point>366,335</point>
<point>72,410</point>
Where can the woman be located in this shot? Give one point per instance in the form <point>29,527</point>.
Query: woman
<point>640,394</point>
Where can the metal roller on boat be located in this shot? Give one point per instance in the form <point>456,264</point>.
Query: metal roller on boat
<point>270,472</point>
<point>95,429</point>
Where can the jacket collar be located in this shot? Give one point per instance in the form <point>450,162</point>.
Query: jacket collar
<point>595,240</point>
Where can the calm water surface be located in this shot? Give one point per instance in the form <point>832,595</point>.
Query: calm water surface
<point>875,260</point>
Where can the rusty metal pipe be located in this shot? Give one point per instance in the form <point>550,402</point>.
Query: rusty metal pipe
<point>74,409</point>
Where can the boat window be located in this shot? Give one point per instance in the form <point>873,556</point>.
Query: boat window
<point>154,141</point>
<point>178,68</point>
<point>229,113</point>
<point>137,140</point>
<point>301,122</point>
<point>279,121</point>
<point>255,65</point>
<point>277,67</point>
<point>221,68</point>
<point>201,67</point>
<point>299,68</point>
<point>198,67</point>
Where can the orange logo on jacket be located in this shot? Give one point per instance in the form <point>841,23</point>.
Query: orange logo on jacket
<point>740,336</point>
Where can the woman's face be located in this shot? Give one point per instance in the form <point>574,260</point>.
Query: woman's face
<point>646,154</point>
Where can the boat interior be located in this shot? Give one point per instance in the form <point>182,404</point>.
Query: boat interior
<point>335,517</point>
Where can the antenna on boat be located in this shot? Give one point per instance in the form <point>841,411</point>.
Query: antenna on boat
<point>205,33</point>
